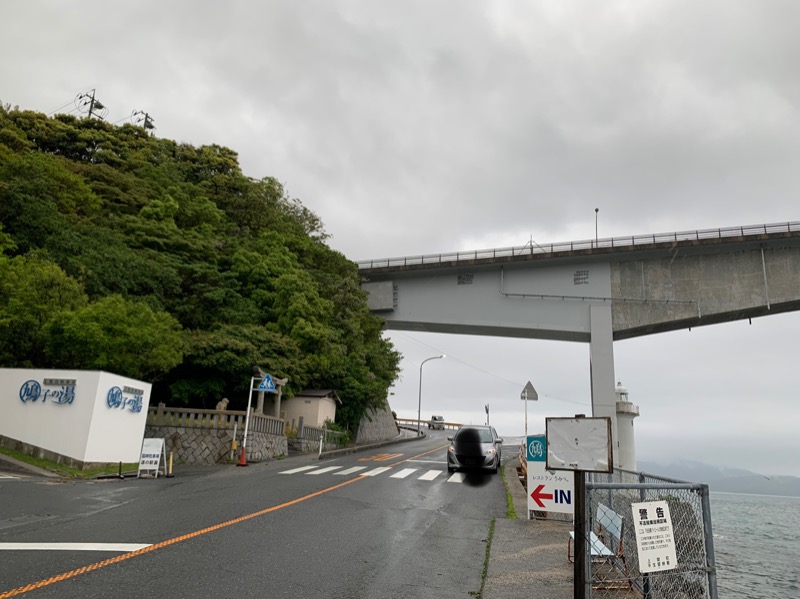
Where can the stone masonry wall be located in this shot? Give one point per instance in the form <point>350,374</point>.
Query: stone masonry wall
<point>213,446</point>
<point>377,425</point>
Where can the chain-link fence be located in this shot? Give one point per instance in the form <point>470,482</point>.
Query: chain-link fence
<point>616,505</point>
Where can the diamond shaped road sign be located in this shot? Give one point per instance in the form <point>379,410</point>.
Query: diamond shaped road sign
<point>267,384</point>
<point>529,393</point>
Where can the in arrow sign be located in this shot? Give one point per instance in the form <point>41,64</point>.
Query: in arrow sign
<point>537,495</point>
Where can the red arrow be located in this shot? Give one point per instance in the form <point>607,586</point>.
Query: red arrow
<point>537,495</point>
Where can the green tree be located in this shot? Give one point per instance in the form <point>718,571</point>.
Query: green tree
<point>116,335</point>
<point>163,261</point>
<point>32,292</point>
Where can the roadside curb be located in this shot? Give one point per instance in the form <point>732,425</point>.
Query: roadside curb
<point>15,465</point>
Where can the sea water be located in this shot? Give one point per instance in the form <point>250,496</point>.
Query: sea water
<point>757,545</point>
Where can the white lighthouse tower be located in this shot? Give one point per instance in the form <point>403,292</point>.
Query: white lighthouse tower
<point>626,412</point>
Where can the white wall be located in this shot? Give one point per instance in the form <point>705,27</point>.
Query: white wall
<point>67,412</point>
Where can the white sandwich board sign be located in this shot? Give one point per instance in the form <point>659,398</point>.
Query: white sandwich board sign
<point>153,454</point>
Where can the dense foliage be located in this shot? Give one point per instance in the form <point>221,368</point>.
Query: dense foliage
<point>163,262</point>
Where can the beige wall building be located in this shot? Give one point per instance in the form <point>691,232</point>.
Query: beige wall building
<point>315,406</point>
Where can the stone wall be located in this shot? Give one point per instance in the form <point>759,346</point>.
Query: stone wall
<point>213,446</point>
<point>377,425</point>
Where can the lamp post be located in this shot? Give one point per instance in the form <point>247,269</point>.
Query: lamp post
<point>596,210</point>
<point>419,405</point>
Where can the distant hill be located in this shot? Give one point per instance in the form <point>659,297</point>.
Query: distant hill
<point>729,480</point>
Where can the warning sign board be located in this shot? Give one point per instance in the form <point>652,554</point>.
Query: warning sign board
<point>655,540</point>
<point>267,384</point>
<point>548,490</point>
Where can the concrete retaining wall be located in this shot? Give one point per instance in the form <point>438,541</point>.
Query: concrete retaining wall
<point>377,425</point>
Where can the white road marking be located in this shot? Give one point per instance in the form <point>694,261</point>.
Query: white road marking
<point>376,471</point>
<point>429,475</point>
<point>425,461</point>
<point>323,470</point>
<point>295,470</point>
<point>124,547</point>
<point>9,477</point>
<point>351,470</point>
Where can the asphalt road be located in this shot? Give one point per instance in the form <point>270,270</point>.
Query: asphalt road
<point>297,527</point>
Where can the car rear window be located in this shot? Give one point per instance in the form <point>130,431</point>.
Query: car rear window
<point>483,434</point>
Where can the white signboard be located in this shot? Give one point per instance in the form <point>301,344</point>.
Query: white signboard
<point>654,536</point>
<point>579,444</point>
<point>548,491</point>
<point>87,415</point>
<point>152,455</point>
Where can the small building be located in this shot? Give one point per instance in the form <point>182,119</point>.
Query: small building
<point>315,406</point>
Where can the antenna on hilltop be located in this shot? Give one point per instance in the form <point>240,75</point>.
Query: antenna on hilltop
<point>95,106</point>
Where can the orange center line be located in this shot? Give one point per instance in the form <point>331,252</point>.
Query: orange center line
<point>126,556</point>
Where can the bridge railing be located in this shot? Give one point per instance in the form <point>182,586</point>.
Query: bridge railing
<point>412,423</point>
<point>571,246</point>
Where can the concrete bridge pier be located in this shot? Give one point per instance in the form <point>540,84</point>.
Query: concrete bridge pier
<point>601,365</point>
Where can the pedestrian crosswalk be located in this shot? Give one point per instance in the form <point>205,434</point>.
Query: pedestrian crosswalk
<point>428,475</point>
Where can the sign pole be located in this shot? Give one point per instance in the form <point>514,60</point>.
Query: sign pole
<point>581,536</point>
<point>525,393</point>
<point>243,459</point>
<point>528,392</point>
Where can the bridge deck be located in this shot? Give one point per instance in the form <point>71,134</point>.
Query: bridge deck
<point>604,248</point>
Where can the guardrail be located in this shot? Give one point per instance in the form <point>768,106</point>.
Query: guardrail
<point>315,433</point>
<point>571,246</point>
<point>424,423</point>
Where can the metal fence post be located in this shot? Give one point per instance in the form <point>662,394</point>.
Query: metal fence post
<point>581,537</point>
<point>709,541</point>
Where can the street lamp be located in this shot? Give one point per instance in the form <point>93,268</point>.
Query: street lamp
<point>596,210</point>
<point>419,405</point>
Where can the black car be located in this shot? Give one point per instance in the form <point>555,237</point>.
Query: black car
<point>474,446</point>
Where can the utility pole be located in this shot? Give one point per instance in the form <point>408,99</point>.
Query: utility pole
<point>146,120</point>
<point>95,105</point>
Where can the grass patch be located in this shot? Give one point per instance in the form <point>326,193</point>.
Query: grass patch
<point>64,470</point>
<point>511,513</point>
<point>479,592</point>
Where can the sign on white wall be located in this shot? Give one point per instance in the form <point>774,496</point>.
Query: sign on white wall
<point>90,416</point>
<point>655,540</point>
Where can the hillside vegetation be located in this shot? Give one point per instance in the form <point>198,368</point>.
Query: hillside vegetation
<point>161,261</point>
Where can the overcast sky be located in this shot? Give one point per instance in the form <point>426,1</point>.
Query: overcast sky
<point>419,127</point>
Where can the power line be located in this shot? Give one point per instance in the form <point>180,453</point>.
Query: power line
<point>52,112</point>
<point>451,357</point>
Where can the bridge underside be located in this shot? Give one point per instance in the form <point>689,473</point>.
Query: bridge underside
<point>596,296</point>
<point>649,292</point>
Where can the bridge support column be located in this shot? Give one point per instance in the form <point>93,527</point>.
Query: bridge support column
<point>601,357</point>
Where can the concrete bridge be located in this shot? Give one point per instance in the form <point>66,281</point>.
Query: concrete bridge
<point>593,291</point>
